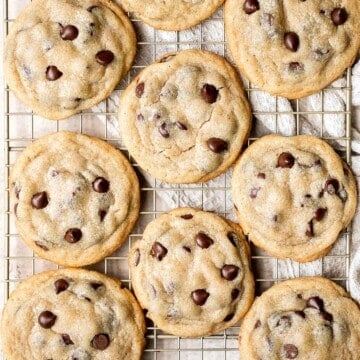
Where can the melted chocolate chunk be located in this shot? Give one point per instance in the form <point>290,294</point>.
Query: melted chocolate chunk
<point>315,302</point>
<point>139,90</point>
<point>187,216</point>
<point>217,145</point>
<point>100,185</point>
<point>137,257</point>
<point>140,117</point>
<point>203,240</point>
<point>60,285</point>
<point>46,319</point>
<point>229,272</point>
<point>261,175</point>
<point>100,341</point>
<point>73,235</point>
<point>326,316</point>
<point>291,41</point>
<point>200,296</point>
<point>332,186</point>
<point>250,6</point>
<point>235,293</point>
<point>187,249</point>
<point>229,317</point>
<point>320,213</point>
<point>158,251</point>
<point>300,313</point>
<point>339,16</point>
<point>285,160</point>
<point>67,340</point>
<point>233,238</point>
<point>69,32</point>
<point>104,57</point>
<point>209,93</point>
<point>291,351</point>
<point>163,130</point>
<point>102,214</point>
<point>53,73</point>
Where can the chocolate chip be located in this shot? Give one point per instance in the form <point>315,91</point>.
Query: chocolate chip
<point>300,313</point>
<point>320,213</point>
<point>15,209</point>
<point>200,296</point>
<point>69,32</point>
<point>73,235</point>
<point>140,117</point>
<point>308,196</point>
<point>104,57</point>
<point>339,16</point>
<point>60,285</point>
<point>291,41</point>
<point>41,246</point>
<point>217,145</point>
<point>209,93</point>
<point>139,90</point>
<point>326,316</point>
<point>253,192</point>
<point>187,216</point>
<point>67,340</point>
<point>235,293</point>
<point>257,324</point>
<point>180,125</point>
<point>100,185</point>
<point>261,175</point>
<point>95,285</point>
<point>186,248</point>
<point>321,194</point>
<point>285,160</point>
<point>158,251</point>
<point>53,73</point>
<point>332,186</point>
<point>315,302</point>
<point>296,66</point>
<point>310,229</point>
<point>102,214</point>
<point>100,341</point>
<point>233,238</point>
<point>47,319</point>
<point>291,351</point>
<point>275,218</point>
<point>250,6</point>
<point>91,8</point>
<point>229,317</point>
<point>39,200</point>
<point>203,240</point>
<point>342,195</point>
<point>163,130</point>
<point>137,257</point>
<point>229,272</point>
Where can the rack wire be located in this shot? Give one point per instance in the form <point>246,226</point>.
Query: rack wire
<point>21,127</point>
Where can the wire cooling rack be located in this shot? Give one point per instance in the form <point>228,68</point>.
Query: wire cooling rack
<point>21,127</point>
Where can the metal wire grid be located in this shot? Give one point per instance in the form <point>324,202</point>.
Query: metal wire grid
<point>160,346</point>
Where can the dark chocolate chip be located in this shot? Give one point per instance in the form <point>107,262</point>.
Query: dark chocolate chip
<point>203,240</point>
<point>67,340</point>
<point>339,16</point>
<point>69,32</point>
<point>15,209</point>
<point>310,229</point>
<point>91,8</point>
<point>100,341</point>
<point>139,90</point>
<point>41,246</point>
<point>73,235</point>
<point>326,316</point>
<point>187,216</point>
<point>235,293</point>
<point>233,238</point>
<point>332,186</point>
<point>308,196</point>
<point>315,302</point>
<point>253,192</point>
<point>100,185</point>
<point>95,285</point>
<point>285,160</point>
<point>217,145</point>
<point>296,66</point>
<point>321,194</point>
<point>257,324</point>
<point>261,175</point>
<point>291,41</point>
<point>291,351</point>
<point>186,248</point>
<point>53,73</point>
<point>140,117</point>
<point>300,313</point>
<point>200,296</point>
<point>320,213</point>
<point>104,57</point>
<point>163,130</point>
<point>102,214</point>
<point>209,93</point>
<point>229,272</point>
<point>137,257</point>
<point>158,251</point>
<point>180,125</point>
<point>250,6</point>
<point>229,317</point>
<point>39,200</point>
<point>47,319</point>
<point>60,285</point>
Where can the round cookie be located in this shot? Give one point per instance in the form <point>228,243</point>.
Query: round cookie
<point>191,272</point>
<point>72,314</point>
<point>170,15</point>
<point>63,56</point>
<point>293,196</point>
<point>292,48</point>
<point>75,198</point>
<point>185,118</point>
<point>305,318</point>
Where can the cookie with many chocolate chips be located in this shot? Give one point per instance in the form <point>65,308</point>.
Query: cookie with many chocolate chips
<point>185,118</point>
<point>191,272</point>
<point>63,56</point>
<point>72,314</point>
<point>293,196</point>
<point>75,198</point>
<point>170,15</point>
<point>305,318</point>
<point>292,48</point>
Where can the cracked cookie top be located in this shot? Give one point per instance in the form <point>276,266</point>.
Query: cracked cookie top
<point>293,48</point>
<point>72,314</point>
<point>185,118</point>
<point>191,272</point>
<point>75,198</point>
<point>293,195</point>
<point>305,318</point>
<point>63,56</point>
<point>172,15</point>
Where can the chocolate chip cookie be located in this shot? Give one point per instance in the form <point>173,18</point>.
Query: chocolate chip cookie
<point>72,314</point>
<point>191,272</point>
<point>293,196</point>
<point>170,15</point>
<point>63,56</point>
<point>293,48</point>
<point>185,118</point>
<point>75,198</point>
<point>306,318</point>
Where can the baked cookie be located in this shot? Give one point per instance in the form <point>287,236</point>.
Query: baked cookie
<point>63,56</point>
<point>185,118</point>
<point>170,14</point>
<point>72,314</point>
<point>191,272</point>
<point>292,48</point>
<point>305,318</point>
<point>293,196</point>
<point>75,198</point>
